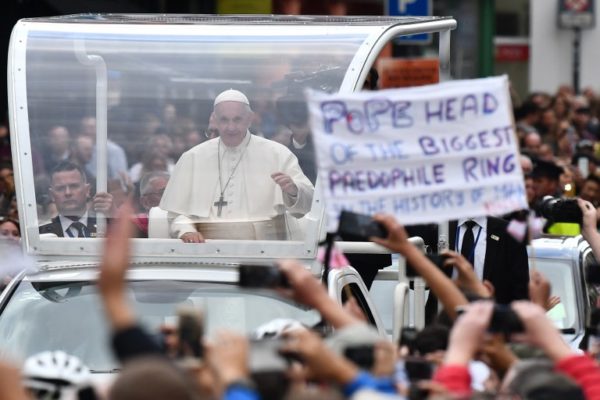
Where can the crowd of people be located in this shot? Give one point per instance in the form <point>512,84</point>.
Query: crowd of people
<point>463,353</point>
<point>557,132</point>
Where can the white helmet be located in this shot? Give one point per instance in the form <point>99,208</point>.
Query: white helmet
<point>55,375</point>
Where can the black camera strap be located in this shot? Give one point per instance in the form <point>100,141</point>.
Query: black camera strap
<point>328,242</point>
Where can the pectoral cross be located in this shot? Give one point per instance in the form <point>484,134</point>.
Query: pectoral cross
<point>220,204</point>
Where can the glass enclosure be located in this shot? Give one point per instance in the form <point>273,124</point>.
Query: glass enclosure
<point>125,105</point>
<point>160,94</point>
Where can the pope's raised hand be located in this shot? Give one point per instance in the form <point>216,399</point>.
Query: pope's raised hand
<point>286,183</point>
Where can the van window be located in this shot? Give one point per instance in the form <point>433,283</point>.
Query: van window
<point>560,275</point>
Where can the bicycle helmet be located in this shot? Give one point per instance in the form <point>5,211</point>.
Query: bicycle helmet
<point>56,375</point>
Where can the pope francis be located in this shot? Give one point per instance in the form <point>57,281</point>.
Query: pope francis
<point>235,186</point>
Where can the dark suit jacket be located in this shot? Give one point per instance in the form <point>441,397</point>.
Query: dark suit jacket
<point>55,227</point>
<point>306,159</point>
<point>506,263</point>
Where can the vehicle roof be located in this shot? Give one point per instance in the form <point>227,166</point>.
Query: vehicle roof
<point>206,19</point>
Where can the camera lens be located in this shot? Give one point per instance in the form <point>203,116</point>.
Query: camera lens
<point>561,210</point>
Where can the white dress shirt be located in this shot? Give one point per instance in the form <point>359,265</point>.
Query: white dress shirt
<point>480,237</point>
<point>65,224</point>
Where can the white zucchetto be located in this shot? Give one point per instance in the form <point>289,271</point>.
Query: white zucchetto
<point>231,95</point>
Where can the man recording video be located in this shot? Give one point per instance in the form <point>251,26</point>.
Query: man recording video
<point>548,202</point>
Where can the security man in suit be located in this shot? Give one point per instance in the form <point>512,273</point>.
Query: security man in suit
<point>495,255</point>
<point>70,191</point>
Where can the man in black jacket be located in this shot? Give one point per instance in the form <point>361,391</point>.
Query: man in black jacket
<point>496,256</point>
<point>70,191</point>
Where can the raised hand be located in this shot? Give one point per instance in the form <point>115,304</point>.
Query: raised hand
<point>113,268</point>
<point>286,183</point>
<point>397,239</point>
<point>467,278</point>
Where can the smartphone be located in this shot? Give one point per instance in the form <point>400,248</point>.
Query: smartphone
<point>261,276</point>
<point>190,330</point>
<point>418,369</point>
<point>363,356</point>
<point>436,259</point>
<point>592,274</point>
<point>268,368</point>
<point>359,227</point>
<point>583,164</point>
<point>408,338</point>
<point>505,320</point>
<point>265,355</point>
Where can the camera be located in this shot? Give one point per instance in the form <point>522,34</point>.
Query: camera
<point>505,320</point>
<point>592,274</point>
<point>359,227</point>
<point>265,355</point>
<point>261,276</point>
<point>418,369</point>
<point>363,356</point>
<point>437,259</point>
<point>561,210</point>
<point>268,368</point>
<point>408,338</point>
<point>190,330</point>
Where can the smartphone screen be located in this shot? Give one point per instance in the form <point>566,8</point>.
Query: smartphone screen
<point>190,330</point>
<point>583,164</point>
<point>355,226</point>
<point>418,369</point>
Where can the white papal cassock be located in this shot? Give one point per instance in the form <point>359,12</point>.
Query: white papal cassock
<point>251,194</point>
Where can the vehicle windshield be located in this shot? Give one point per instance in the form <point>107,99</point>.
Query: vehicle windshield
<point>564,315</point>
<point>158,92</point>
<point>73,314</point>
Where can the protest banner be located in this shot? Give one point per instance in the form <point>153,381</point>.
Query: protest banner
<point>426,154</point>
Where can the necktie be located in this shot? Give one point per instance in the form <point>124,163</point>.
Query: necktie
<point>468,243</point>
<point>79,228</point>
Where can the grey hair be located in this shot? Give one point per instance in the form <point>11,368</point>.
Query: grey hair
<point>149,177</point>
